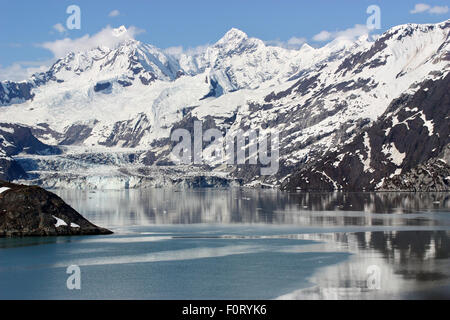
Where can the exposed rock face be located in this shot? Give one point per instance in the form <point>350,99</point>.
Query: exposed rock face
<point>14,92</point>
<point>33,211</point>
<point>206,182</point>
<point>10,169</point>
<point>77,133</point>
<point>432,175</point>
<point>15,139</point>
<point>413,130</point>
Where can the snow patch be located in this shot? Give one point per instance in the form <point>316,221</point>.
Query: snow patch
<point>366,162</point>
<point>59,222</point>
<point>9,130</point>
<point>335,186</point>
<point>393,154</point>
<point>428,124</point>
<point>4,189</point>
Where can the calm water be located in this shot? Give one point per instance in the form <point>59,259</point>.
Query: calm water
<point>240,244</point>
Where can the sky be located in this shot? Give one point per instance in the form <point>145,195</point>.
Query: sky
<point>34,33</point>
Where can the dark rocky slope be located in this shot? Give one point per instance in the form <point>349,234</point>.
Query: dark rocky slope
<point>10,169</point>
<point>33,211</point>
<point>13,92</point>
<point>16,139</point>
<point>432,175</point>
<point>413,130</point>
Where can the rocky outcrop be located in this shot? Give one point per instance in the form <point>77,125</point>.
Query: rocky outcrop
<point>33,211</point>
<point>432,175</point>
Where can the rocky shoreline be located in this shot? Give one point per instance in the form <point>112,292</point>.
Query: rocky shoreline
<point>33,211</point>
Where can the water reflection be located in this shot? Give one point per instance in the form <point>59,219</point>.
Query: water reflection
<point>413,265</point>
<point>159,206</point>
<point>405,235</point>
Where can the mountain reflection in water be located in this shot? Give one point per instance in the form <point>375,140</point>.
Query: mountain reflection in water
<point>405,234</point>
<point>240,244</point>
<point>162,206</point>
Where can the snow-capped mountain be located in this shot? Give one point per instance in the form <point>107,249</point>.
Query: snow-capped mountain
<point>111,110</point>
<point>410,140</point>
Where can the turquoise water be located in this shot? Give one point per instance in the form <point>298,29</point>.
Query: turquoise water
<point>238,244</point>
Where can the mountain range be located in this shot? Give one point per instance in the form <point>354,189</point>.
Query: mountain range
<point>370,114</point>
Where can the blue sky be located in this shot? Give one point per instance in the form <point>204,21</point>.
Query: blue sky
<point>25,24</point>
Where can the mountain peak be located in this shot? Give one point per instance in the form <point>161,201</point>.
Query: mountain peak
<point>306,47</point>
<point>233,35</point>
<point>118,32</point>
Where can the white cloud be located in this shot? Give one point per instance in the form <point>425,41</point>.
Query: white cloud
<point>322,36</point>
<point>292,43</point>
<point>439,10</point>
<point>114,13</point>
<point>179,50</point>
<point>59,27</point>
<point>350,33</point>
<point>174,51</point>
<point>107,37</point>
<point>423,7</point>
<point>420,7</point>
<point>197,50</point>
<point>20,71</point>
